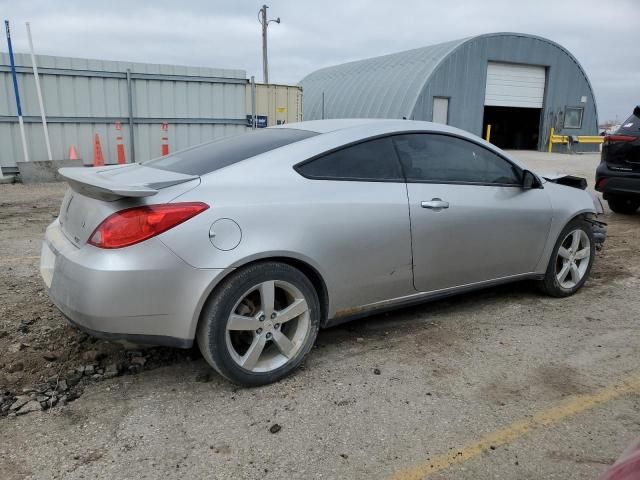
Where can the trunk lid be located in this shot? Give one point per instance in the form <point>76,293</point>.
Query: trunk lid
<point>96,193</point>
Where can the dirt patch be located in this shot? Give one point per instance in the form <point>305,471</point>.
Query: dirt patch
<point>562,380</point>
<point>38,347</point>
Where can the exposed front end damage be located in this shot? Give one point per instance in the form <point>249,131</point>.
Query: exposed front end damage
<point>599,228</point>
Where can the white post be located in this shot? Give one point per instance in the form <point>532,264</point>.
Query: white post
<point>39,92</point>
<point>24,139</point>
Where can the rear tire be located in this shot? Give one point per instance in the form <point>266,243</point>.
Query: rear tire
<point>623,205</point>
<point>571,260</point>
<point>260,323</point>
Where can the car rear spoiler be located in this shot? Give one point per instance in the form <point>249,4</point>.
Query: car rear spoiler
<point>118,181</point>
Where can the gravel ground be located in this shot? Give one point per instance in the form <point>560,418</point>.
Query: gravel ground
<point>375,398</point>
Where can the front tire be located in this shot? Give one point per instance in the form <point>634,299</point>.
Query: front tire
<point>623,205</point>
<point>571,260</point>
<point>260,323</point>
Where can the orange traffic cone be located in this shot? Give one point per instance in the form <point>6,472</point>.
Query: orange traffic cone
<point>120,144</point>
<point>73,154</point>
<point>98,159</point>
<point>164,139</point>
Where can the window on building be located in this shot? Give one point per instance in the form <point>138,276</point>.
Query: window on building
<point>446,159</point>
<point>573,117</point>
<point>374,160</point>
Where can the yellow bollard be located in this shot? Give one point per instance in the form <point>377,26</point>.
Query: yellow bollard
<point>550,139</point>
<point>488,138</point>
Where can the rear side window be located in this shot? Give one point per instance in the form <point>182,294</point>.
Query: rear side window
<point>221,153</point>
<point>373,160</point>
<point>446,159</point>
<point>631,126</point>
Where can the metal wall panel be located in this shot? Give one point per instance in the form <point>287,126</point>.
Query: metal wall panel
<point>380,87</point>
<point>83,97</point>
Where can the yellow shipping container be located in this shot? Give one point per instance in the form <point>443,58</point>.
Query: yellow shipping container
<point>279,103</point>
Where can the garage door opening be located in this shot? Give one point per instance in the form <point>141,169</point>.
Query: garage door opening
<point>513,104</point>
<point>513,127</point>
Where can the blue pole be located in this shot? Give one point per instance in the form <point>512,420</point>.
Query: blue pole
<point>13,69</point>
<point>16,91</point>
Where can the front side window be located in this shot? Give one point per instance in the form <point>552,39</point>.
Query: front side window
<point>573,117</point>
<point>373,160</point>
<point>446,159</point>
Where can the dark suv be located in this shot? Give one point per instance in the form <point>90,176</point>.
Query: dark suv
<point>618,175</point>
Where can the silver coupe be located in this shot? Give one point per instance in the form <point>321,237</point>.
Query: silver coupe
<point>250,244</point>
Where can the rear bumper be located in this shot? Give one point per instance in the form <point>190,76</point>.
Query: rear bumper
<point>143,293</point>
<point>614,182</point>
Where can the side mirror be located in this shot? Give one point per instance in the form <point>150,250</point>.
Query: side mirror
<point>529,180</point>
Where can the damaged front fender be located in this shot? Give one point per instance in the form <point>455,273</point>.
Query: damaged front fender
<point>575,182</point>
<point>599,228</point>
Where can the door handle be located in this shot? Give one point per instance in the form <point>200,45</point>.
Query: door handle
<point>435,204</point>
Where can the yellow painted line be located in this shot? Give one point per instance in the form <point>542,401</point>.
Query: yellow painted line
<point>519,428</point>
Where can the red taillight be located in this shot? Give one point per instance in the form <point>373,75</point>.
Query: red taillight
<point>619,138</point>
<point>600,183</point>
<point>134,225</point>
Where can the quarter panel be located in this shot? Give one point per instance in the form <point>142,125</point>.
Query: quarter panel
<point>356,234</point>
<point>144,289</point>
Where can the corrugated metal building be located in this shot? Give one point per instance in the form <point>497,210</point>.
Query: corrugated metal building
<point>522,85</point>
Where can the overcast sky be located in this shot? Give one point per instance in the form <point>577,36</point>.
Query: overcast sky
<point>603,35</point>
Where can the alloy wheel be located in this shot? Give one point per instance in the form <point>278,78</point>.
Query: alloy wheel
<point>573,259</point>
<point>268,326</point>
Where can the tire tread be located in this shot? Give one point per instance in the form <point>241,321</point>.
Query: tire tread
<point>211,337</point>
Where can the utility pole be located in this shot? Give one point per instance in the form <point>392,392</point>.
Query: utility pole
<point>265,23</point>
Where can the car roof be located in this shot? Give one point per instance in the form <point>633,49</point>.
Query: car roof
<point>373,124</point>
<point>367,127</point>
<point>331,125</point>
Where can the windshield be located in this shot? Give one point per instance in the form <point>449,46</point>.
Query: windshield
<point>211,156</point>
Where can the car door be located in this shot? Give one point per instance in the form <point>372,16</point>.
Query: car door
<point>358,228</point>
<point>471,220</point>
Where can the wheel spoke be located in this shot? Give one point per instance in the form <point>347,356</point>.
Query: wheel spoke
<point>580,254</point>
<point>575,241</point>
<point>564,253</point>
<point>564,271</point>
<point>575,273</point>
<point>283,343</point>
<point>250,359</point>
<point>297,308</point>
<point>267,297</point>
<point>240,322</point>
